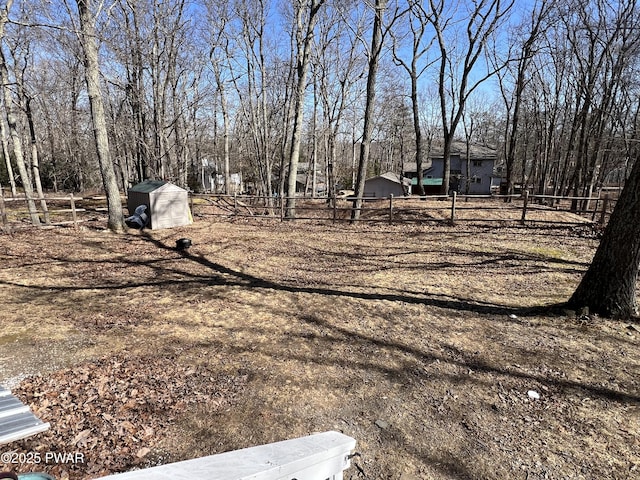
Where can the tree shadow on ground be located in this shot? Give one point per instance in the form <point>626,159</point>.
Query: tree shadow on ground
<point>457,304</point>
<point>435,300</point>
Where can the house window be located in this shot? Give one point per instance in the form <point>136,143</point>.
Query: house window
<point>477,163</point>
<point>476,179</point>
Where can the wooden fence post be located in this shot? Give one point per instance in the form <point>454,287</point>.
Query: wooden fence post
<point>391,209</point>
<point>335,209</point>
<point>235,203</point>
<point>453,207</point>
<point>3,211</point>
<point>525,197</point>
<point>74,214</point>
<point>605,207</point>
<point>282,202</point>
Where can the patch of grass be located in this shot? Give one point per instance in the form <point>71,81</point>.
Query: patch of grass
<point>548,252</point>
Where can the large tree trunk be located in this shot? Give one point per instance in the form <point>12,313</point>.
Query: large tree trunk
<point>92,74</point>
<point>609,286</point>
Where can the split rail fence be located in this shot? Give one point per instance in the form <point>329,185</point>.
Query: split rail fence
<point>17,207</point>
<point>525,209</point>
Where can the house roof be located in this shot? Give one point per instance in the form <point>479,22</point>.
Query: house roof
<point>412,167</point>
<point>301,178</point>
<point>476,151</point>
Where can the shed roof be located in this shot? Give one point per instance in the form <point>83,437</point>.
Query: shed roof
<point>149,186</point>
<point>392,177</point>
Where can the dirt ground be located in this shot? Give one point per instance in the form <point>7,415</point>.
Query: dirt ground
<point>425,343</point>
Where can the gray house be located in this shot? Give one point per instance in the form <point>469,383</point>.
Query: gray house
<point>167,204</point>
<point>387,184</point>
<point>480,163</point>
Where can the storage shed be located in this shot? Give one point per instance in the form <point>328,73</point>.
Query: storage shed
<point>167,204</point>
<point>387,184</point>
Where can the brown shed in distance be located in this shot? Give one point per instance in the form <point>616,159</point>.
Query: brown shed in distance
<point>167,204</point>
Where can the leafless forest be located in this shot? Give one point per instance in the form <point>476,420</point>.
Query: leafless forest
<point>177,90</point>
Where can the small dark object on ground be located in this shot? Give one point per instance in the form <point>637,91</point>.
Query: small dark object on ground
<point>183,244</point>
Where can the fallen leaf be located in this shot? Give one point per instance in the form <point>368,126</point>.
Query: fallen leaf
<point>81,438</point>
<point>143,452</point>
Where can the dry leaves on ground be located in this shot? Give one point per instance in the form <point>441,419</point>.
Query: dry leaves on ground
<point>110,413</point>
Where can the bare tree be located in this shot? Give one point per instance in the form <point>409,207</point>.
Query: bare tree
<point>306,15</point>
<point>7,158</point>
<point>60,85</point>
<point>565,107</point>
<point>20,52</point>
<point>133,36</point>
<point>252,89</point>
<point>613,42</point>
<point>87,34</point>
<point>609,286</point>
<point>12,121</point>
<point>418,21</point>
<point>533,29</point>
<point>374,60</point>
<point>456,85</point>
<point>339,69</point>
<point>219,55</point>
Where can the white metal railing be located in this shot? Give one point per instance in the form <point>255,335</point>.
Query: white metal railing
<point>323,456</point>
<point>16,419</point>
